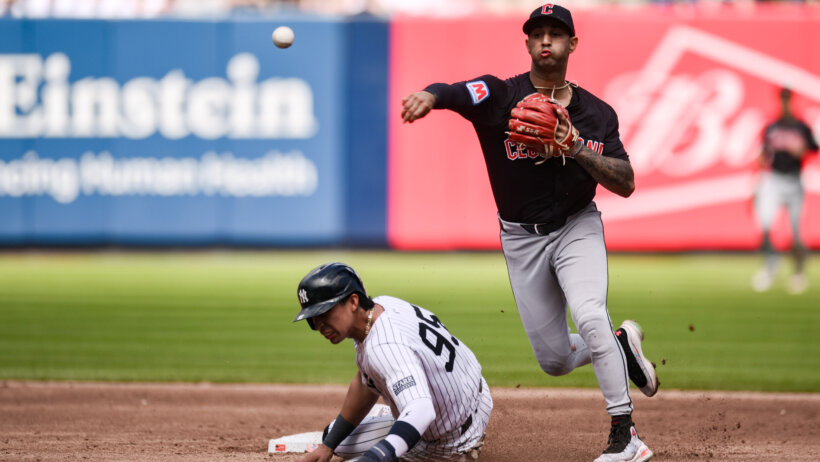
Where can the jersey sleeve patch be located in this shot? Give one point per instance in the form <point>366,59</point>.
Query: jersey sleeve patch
<point>479,91</point>
<point>403,384</point>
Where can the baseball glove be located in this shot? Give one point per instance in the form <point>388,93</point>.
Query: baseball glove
<point>534,124</point>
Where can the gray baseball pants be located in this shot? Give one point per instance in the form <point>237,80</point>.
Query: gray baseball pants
<point>568,268</point>
<point>776,190</point>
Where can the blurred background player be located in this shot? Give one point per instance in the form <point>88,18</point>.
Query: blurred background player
<point>786,142</point>
<point>551,231</point>
<point>431,380</point>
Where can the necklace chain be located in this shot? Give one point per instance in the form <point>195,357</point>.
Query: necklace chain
<point>566,84</point>
<point>369,321</point>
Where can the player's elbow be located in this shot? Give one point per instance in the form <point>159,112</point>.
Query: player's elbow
<point>629,188</point>
<point>420,413</point>
<point>427,413</point>
<point>623,187</point>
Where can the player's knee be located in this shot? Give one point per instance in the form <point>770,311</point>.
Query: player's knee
<point>554,368</point>
<point>595,330</point>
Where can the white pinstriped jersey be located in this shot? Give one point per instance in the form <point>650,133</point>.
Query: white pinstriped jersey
<point>408,355</point>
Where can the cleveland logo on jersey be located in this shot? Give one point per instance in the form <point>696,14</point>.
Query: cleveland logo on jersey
<point>514,152</point>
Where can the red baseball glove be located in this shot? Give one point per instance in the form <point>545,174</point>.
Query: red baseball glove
<point>534,124</point>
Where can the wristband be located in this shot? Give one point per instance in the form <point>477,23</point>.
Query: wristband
<point>337,432</point>
<point>382,452</point>
<point>576,151</point>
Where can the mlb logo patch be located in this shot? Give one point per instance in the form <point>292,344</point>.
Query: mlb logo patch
<point>479,91</point>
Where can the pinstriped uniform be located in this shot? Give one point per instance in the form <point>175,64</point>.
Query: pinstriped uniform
<point>408,355</point>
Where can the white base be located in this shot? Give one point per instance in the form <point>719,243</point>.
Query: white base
<point>308,442</point>
<point>301,442</point>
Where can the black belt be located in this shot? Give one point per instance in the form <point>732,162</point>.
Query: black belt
<point>466,425</point>
<point>542,229</point>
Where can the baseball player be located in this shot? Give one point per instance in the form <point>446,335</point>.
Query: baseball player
<point>786,142</point>
<point>431,381</point>
<point>543,175</point>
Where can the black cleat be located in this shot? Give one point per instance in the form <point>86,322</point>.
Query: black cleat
<point>641,371</point>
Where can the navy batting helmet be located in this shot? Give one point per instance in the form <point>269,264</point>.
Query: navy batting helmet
<point>324,287</point>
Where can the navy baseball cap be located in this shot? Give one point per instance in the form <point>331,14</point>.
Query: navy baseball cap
<point>552,12</point>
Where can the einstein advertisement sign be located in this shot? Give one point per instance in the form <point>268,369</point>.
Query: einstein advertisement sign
<point>142,132</point>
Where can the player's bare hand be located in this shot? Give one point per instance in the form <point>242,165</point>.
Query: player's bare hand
<point>417,105</point>
<point>562,129</point>
<point>320,454</point>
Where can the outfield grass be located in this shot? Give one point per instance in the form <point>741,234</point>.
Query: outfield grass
<point>226,317</point>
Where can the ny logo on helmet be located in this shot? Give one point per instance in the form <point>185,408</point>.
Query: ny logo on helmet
<point>303,298</point>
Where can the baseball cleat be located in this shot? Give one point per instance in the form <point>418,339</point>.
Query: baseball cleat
<point>762,281</point>
<point>625,446</point>
<point>641,370</point>
<point>798,284</point>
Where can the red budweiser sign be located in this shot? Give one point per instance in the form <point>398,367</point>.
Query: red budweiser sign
<point>693,89</point>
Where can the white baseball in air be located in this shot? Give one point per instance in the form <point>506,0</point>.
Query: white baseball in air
<point>283,36</point>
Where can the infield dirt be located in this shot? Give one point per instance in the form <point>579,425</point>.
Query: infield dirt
<point>57,421</point>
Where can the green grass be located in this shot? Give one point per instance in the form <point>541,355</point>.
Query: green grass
<point>226,317</point>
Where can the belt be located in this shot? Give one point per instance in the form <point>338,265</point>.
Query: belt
<point>542,229</point>
<point>466,425</point>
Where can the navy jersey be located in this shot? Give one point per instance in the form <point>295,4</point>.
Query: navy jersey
<point>525,192</point>
<point>783,136</point>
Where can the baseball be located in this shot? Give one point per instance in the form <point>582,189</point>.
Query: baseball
<point>283,36</point>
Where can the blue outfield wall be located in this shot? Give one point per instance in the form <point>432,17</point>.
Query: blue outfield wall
<point>192,133</point>
<point>366,118</point>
